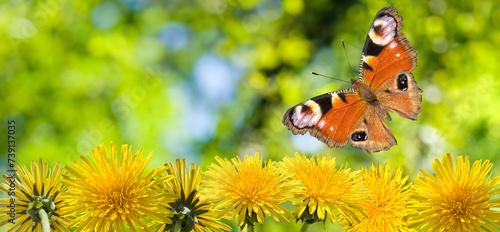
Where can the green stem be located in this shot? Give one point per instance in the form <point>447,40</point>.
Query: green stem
<point>44,220</point>
<point>304,227</point>
<point>250,228</point>
<point>177,226</point>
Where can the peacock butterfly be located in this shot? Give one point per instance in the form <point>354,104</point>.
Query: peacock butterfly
<point>385,84</point>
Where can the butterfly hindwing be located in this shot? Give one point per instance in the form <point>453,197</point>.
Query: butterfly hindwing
<point>371,132</point>
<point>401,95</point>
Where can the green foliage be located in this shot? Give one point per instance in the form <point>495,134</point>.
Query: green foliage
<point>201,78</point>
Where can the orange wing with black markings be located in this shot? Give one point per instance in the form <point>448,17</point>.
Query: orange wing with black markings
<point>329,117</point>
<point>385,83</point>
<point>386,50</point>
<point>386,65</point>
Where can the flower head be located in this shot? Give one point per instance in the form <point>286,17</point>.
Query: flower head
<point>384,208</point>
<point>109,193</point>
<point>328,188</point>
<point>248,189</point>
<point>461,199</point>
<point>33,192</point>
<point>190,213</point>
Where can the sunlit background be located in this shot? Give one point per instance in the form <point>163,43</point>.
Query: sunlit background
<point>197,79</point>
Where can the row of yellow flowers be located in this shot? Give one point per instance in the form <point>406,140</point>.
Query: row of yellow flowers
<point>111,192</point>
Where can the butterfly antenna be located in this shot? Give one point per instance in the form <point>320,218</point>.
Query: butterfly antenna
<point>315,73</point>
<point>350,67</point>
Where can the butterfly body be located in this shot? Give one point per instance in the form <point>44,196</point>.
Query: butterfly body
<point>385,83</point>
<point>364,91</point>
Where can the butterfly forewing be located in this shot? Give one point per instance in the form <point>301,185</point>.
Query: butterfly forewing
<point>328,117</point>
<point>386,49</point>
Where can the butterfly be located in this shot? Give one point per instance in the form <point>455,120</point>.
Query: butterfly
<point>356,115</point>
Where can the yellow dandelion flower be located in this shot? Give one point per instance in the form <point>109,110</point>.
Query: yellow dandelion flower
<point>328,188</point>
<point>384,208</point>
<point>249,189</point>
<point>190,213</point>
<point>34,195</point>
<point>108,193</point>
<point>461,199</point>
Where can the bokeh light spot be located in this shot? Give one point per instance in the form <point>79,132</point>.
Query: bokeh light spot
<point>438,7</point>
<point>435,26</point>
<point>271,10</point>
<point>248,4</point>
<point>432,94</point>
<point>464,22</point>
<point>431,136</point>
<point>135,4</point>
<point>252,23</point>
<point>22,28</point>
<point>105,15</point>
<point>200,120</point>
<point>257,80</point>
<point>439,45</point>
<point>293,7</point>
<point>149,50</point>
<point>196,120</point>
<point>175,36</point>
<point>216,78</point>
<point>266,55</point>
<point>294,51</point>
<point>214,6</point>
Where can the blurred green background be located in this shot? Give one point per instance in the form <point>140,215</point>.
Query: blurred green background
<point>197,79</point>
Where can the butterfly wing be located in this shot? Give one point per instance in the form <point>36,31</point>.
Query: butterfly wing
<point>386,50</point>
<point>386,65</point>
<point>370,132</point>
<point>401,95</point>
<point>329,117</point>
<point>339,117</point>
